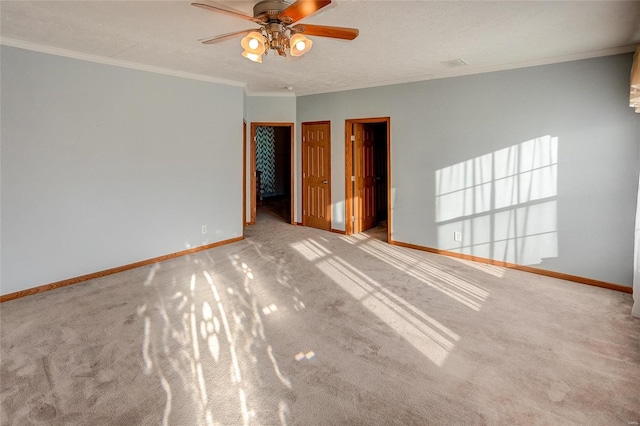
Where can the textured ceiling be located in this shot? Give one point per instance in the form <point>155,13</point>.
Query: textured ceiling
<point>399,41</point>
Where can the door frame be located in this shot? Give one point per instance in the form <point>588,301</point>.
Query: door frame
<point>348,170</point>
<point>302,164</point>
<point>244,173</point>
<point>252,170</point>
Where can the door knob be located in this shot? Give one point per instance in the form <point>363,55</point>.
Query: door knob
<point>325,181</point>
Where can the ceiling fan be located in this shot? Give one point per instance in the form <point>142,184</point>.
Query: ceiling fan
<point>277,31</point>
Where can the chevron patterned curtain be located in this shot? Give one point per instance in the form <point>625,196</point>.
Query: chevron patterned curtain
<point>266,158</point>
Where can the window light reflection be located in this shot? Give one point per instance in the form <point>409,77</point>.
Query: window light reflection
<point>459,290</point>
<point>208,329</point>
<point>426,334</point>
<point>503,203</point>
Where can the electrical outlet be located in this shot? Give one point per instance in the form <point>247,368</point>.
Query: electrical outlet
<point>457,236</point>
<point>204,229</point>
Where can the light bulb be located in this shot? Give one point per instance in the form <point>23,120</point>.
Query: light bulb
<point>299,44</point>
<point>253,43</point>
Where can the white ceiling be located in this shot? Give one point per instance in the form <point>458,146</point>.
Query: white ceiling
<point>399,41</point>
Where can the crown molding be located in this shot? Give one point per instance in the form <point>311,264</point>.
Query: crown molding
<point>470,70</point>
<point>455,72</point>
<point>252,94</point>
<point>20,44</point>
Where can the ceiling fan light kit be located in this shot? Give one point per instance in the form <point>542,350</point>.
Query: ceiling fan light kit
<point>276,31</point>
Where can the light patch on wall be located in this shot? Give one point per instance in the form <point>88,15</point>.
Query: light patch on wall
<point>338,212</point>
<point>504,203</point>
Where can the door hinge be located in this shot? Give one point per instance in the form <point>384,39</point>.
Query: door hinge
<point>353,178</point>
<point>303,139</point>
<point>353,138</point>
<point>353,218</point>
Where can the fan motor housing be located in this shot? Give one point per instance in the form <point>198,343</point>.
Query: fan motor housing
<point>268,10</point>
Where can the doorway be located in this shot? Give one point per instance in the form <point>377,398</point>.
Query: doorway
<point>368,175</point>
<point>316,175</point>
<point>272,170</point>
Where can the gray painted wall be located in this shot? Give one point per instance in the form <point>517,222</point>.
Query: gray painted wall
<point>274,109</point>
<point>104,166</point>
<point>536,166</point>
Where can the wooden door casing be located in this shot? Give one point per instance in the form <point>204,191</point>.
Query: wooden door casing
<point>365,178</point>
<point>383,146</point>
<point>316,175</point>
<point>252,173</point>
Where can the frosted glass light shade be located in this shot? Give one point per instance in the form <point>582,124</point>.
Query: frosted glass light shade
<point>254,57</point>
<point>253,43</point>
<point>299,45</point>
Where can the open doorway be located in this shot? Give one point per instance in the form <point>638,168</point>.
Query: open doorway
<point>368,176</point>
<point>272,170</point>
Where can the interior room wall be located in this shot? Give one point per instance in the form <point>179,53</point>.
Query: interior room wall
<point>271,109</point>
<point>535,166</point>
<point>104,166</point>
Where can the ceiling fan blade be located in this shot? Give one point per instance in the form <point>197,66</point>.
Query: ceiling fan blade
<point>326,31</point>
<point>215,7</point>
<point>301,9</point>
<point>224,37</point>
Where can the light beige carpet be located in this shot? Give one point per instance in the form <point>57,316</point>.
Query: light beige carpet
<point>299,326</point>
